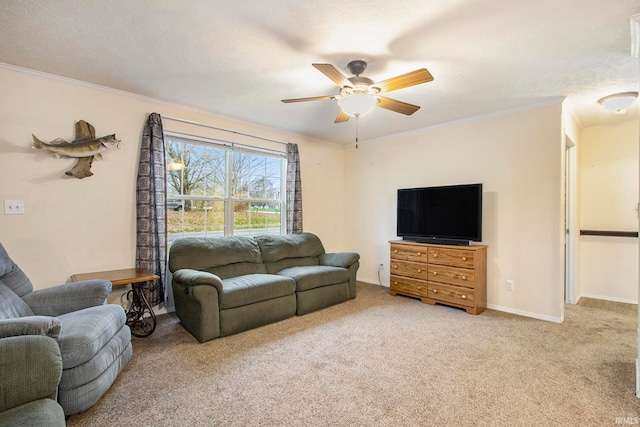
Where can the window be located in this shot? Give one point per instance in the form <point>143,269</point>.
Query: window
<point>220,190</point>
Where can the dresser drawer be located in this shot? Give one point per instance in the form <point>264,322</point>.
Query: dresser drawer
<point>453,257</point>
<point>409,269</point>
<point>452,275</point>
<point>451,294</point>
<point>408,253</point>
<point>407,286</point>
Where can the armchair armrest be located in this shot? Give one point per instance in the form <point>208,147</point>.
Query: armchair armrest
<point>340,259</point>
<point>68,297</point>
<point>191,277</point>
<point>31,370</point>
<point>30,325</point>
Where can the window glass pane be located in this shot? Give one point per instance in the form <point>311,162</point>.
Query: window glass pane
<point>198,218</point>
<point>251,219</point>
<point>195,170</point>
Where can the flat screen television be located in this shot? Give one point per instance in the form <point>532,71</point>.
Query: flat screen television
<point>443,215</point>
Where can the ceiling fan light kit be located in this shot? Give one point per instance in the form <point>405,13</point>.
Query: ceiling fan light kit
<point>357,104</point>
<point>618,103</point>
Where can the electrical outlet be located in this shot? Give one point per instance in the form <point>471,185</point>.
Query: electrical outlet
<point>510,285</point>
<point>14,207</point>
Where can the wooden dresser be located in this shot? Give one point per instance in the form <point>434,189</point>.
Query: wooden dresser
<point>451,275</point>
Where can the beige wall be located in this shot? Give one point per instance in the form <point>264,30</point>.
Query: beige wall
<point>75,226</point>
<point>519,159</point>
<point>608,201</point>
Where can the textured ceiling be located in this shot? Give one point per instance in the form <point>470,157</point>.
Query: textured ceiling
<point>241,58</point>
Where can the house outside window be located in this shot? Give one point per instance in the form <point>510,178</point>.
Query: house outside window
<point>215,189</point>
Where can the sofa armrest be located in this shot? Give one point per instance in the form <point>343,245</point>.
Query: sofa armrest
<point>30,325</point>
<point>69,297</point>
<point>31,369</point>
<point>191,277</point>
<point>340,259</point>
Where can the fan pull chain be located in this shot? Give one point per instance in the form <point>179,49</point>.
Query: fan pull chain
<point>357,115</point>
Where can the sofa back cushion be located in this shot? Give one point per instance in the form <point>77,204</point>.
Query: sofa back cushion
<point>290,250</point>
<point>222,256</point>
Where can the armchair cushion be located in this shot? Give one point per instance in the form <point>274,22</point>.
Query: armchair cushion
<point>68,297</point>
<point>30,325</point>
<point>12,275</point>
<point>86,331</point>
<point>31,368</point>
<point>11,305</point>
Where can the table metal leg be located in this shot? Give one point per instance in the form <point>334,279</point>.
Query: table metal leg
<point>140,316</point>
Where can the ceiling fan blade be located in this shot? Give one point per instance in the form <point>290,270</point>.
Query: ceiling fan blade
<point>334,74</point>
<point>342,117</point>
<point>396,106</point>
<point>405,80</point>
<point>313,98</point>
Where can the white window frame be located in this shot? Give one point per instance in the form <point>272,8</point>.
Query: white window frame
<point>228,199</point>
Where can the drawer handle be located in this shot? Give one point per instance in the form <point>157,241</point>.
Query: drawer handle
<point>463,297</point>
<point>419,271</point>
<point>395,266</point>
<point>435,291</point>
<point>464,277</point>
<point>419,288</point>
<point>464,258</point>
<point>435,255</point>
<point>435,273</point>
<point>395,283</point>
<point>419,254</point>
<point>395,251</point>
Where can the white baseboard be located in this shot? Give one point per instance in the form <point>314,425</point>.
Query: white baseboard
<point>526,313</point>
<point>373,282</point>
<point>608,298</point>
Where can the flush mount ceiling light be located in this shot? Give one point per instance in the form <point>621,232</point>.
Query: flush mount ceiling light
<point>618,102</point>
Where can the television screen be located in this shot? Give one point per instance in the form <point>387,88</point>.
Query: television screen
<point>449,213</point>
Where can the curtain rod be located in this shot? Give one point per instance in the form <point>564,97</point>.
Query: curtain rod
<point>223,142</point>
<point>222,129</point>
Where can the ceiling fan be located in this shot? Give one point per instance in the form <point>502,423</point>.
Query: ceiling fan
<point>358,94</point>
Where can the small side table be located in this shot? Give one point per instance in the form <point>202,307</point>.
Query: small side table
<point>140,316</point>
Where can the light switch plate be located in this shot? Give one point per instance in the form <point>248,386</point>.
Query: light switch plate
<point>14,207</point>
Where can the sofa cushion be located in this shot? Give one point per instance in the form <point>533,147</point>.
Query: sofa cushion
<point>277,247</point>
<point>85,332</point>
<point>205,254</point>
<point>252,288</point>
<point>11,305</point>
<point>315,276</point>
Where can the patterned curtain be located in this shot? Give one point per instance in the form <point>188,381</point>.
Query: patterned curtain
<point>294,190</point>
<point>151,243</point>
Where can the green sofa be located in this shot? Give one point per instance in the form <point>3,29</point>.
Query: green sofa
<point>225,285</point>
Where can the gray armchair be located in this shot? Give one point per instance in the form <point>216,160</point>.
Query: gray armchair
<point>94,340</point>
<point>31,368</point>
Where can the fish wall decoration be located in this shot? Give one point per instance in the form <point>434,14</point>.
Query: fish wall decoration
<point>85,148</point>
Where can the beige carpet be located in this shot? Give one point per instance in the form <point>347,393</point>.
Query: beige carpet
<point>384,361</point>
